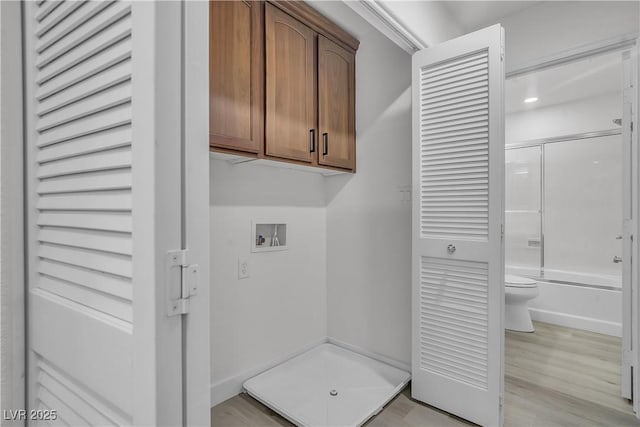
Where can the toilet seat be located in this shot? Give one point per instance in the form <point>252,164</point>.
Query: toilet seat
<point>512,281</point>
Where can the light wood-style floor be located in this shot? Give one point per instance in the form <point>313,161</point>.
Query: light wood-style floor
<point>554,377</point>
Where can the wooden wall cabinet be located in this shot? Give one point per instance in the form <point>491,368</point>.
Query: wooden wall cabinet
<point>282,84</point>
<point>336,105</point>
<point>236,75</point>
<point>291,86</point>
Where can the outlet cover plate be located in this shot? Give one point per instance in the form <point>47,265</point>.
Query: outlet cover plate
<point>243,268</point>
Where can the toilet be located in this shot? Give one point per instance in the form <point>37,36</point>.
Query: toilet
<point>518,291</point>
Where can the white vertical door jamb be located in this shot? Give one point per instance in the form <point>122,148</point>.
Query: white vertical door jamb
<point>635,228</point>
<point>156,207</point>
<point>628,218</point>
<point>196,326</point>
<point>12,329</point>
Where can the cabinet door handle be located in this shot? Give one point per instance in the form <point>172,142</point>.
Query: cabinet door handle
<point>325,139</point>
<point>312,141</point>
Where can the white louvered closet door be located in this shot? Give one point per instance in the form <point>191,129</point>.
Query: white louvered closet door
<point>103,161</point>
<point>458,169</point>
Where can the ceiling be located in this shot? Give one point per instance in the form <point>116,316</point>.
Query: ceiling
<point>587,78</point>
<point>474,15</point>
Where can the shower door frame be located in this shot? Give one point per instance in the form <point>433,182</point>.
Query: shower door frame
<point>541,143</point>
<point>629,45</point>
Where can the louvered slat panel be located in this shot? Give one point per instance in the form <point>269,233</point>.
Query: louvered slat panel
<point>95,260</point>
<point>83,89</point>
<point>95,181</point>
<point>468,138</point>
<point>94,26</point>
<point>450,66</point>
<point>58,15</point>
<point>84,405</point>
<point>66,414</point>
<point>454,120</point>
<point>110,138</point>
<point>461,68</point>
<point>448,156</point>
<point>463,94</point>
<point>106,119</point>
<point>102,302</point>
<point>453,322</point>
<point>113,34</point>
<point>102,160</point>
<point>455,112</point>
<point>117,74</point>
<point>115,201</point>
<point>91,8</point>
<point>450,84</point>
<point>98,280</point>
<point>457,91</point>
<point>86,106</point>
<point>46,8</point>
<point>110,221</point>
<point>453,150</point>
<point>117,243</point>
<point>92,66</point>
<point>452,115</point>
<point>452,102</point>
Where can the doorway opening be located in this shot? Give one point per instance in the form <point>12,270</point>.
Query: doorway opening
<point>568,245</point>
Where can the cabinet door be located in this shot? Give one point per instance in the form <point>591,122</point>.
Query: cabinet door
<point>236,75</point>
<point>290,87</point>
<point>336,105</point>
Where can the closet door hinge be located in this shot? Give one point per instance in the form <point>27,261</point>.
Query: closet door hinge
<point>181,280</point>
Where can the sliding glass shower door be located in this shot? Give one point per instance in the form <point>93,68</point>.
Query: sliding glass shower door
<point>583,210</point>
<point>523,202</point>
<point>563,204</point>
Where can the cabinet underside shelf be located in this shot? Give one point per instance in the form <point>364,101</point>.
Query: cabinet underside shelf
<point>238,160</point>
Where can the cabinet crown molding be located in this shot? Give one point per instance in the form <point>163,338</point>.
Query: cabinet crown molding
<point>317,22</point>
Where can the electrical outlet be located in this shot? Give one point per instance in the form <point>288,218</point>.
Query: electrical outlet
<point>405,193</point>
<point>243,268</point>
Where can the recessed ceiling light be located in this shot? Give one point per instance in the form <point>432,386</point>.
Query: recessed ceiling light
<point>530,100</point>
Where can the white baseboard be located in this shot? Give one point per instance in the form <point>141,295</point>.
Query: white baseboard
<point>232,386</point>
<point>375,356</point>
<point>577,322</point>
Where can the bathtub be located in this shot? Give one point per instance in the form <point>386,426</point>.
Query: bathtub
<point>577,300</point>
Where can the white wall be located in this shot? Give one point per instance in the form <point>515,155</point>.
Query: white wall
<point>369,240</point>
<point>552,27</point>
<point>586,115</point>
<point>430,21</point>
<point>281,308</point>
